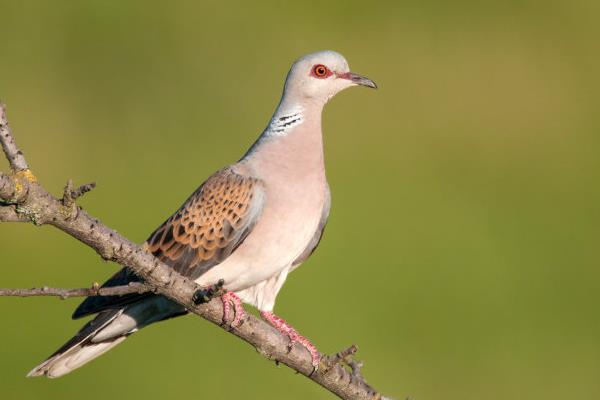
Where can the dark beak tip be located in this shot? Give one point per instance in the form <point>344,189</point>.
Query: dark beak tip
<point>367,83</point>
<point>359,79</point>
<point>362,80</point>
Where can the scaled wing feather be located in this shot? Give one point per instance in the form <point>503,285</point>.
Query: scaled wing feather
<point>205,230</point>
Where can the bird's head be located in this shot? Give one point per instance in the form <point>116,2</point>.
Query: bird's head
<point>320,76</point>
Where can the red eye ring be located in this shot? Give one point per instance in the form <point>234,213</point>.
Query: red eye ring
<point>321,71</point>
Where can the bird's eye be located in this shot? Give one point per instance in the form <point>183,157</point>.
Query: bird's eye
<point>321,71</point>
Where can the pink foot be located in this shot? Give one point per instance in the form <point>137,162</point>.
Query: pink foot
<point>228,299</point>
<point>285,328</point>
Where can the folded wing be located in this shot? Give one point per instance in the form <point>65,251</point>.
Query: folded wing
<point>206,229</point>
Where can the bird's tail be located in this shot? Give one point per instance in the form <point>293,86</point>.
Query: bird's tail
<point>82,348</point>
<point>108,329</point>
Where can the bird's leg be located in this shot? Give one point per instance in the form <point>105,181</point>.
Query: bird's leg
<point>285,328</point>
<point>228,299</point>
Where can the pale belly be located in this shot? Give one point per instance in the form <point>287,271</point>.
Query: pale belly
<point>285,228</point>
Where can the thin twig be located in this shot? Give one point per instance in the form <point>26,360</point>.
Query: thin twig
<point>13,154</point>
<point>70,194</point>
<point>95,290</point>
<point>83,189</point>
<point>42,208</point>
<point>356,367</point>
<point>346,357</point>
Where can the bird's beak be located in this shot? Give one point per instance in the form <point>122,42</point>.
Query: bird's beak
<point>358,79</point>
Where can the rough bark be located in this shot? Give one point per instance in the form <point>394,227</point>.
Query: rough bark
<point>95,290</point>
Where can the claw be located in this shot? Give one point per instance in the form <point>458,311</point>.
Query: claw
<point>204,295</point>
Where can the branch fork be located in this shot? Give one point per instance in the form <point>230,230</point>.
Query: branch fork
<point>70,195</point>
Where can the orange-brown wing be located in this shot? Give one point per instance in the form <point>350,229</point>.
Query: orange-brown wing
<point>207,228</point>
<point>210,225</point>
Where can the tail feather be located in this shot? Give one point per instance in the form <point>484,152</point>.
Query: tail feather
<point>108,329</point>
<point>80,349</point>
<point>62,364</point>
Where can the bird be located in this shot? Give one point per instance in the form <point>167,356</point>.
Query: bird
<point>246,227</point>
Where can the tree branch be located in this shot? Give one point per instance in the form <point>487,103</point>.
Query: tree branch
<point>30,201</point>
<point>95,290</point>
<point>8,213</point>
<point>7,188</point>
<point>13,154</point>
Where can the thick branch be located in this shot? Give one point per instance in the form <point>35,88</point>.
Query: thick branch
<point>7,187</point>
<point>37,205</point>
<point>9,214</point>
<point>133,287</point>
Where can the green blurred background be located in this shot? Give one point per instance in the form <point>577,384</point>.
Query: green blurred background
<point>462,250</point>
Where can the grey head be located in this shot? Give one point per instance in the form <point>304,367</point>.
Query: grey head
<point>311,82</point>
<point>317,77</point>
